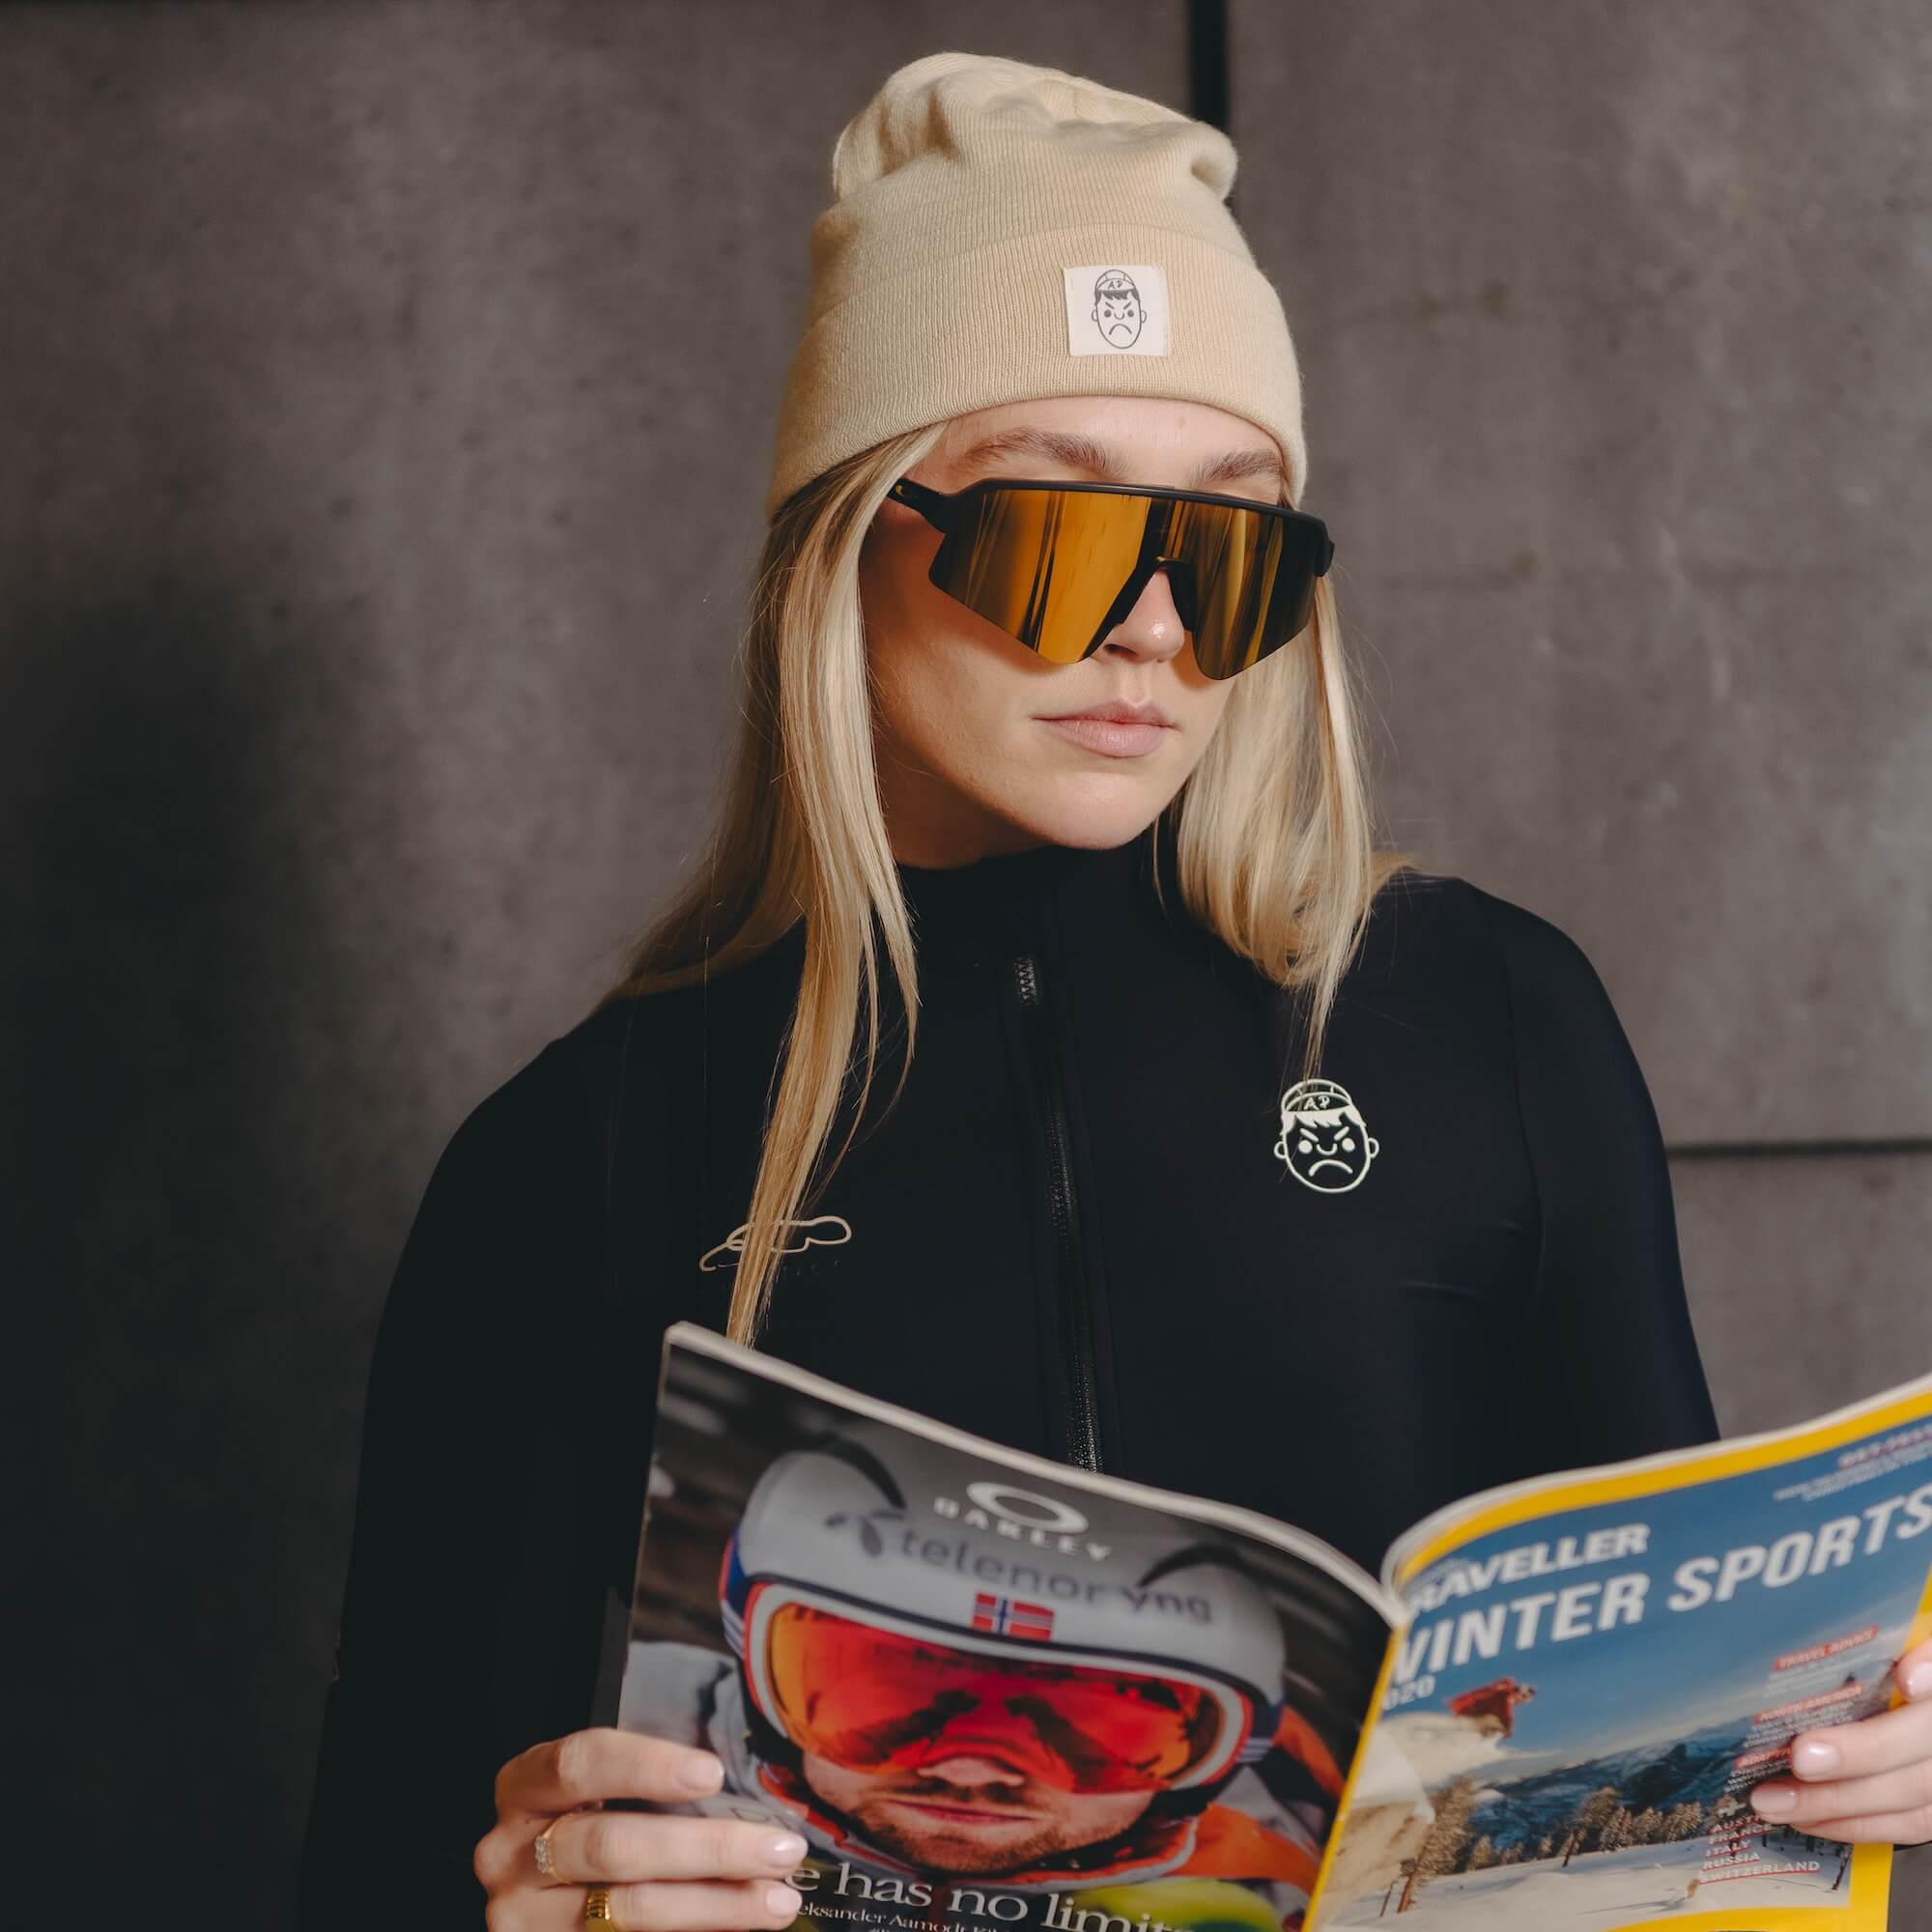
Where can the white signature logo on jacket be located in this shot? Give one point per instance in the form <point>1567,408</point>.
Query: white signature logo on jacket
<point>1324,1139</point>
<point>827,1230</point>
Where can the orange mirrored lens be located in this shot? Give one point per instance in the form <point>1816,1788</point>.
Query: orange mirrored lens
<point>1236,562</point>
<point>1051,568</point>
<point>1044,565</point>
<point>874,1700</point>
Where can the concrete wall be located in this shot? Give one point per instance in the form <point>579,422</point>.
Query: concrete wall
<point>1613,320</point>
<point>387,391</point>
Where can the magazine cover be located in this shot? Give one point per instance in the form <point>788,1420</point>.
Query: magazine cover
<point>1597,1669</point>
<point>989,1689</point>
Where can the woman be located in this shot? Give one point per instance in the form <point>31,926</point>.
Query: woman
<point>1045,1045</point>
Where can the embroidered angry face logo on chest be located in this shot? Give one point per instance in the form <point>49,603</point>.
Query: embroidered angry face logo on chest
<point>1324,1139</point>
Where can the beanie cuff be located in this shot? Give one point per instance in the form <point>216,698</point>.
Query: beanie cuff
<point>974,331</point>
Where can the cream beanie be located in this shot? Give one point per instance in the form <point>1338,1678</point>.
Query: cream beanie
<point>1000,232</point>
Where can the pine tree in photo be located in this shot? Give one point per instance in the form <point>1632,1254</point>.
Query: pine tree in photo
<point>1441,1850</point>
<point>1403,1871</point>
<point>1593,1813</point>
<point>1683,1821</point>
<point>1482,1853</point>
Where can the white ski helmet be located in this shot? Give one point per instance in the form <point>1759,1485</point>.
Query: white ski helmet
<point>910,1537</point>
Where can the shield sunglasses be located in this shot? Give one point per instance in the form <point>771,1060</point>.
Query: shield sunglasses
<point>1059,565</point>
<point>876,1700</point>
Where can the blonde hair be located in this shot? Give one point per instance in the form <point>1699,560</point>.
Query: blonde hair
<point>1274,841</point>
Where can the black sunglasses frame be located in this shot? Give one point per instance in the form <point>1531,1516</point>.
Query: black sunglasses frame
<point>942,511</point>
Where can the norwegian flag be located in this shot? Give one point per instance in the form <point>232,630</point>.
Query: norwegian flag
<point>1006,1617</point>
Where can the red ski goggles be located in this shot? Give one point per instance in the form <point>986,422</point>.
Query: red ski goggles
<point>872,1698</point>
<point>1059,565</point>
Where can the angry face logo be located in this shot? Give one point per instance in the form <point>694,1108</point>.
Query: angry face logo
<point>1118,313</point>
<point>1322,1137</point>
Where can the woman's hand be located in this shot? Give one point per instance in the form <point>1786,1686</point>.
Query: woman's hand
<point>665,1874</point>
<point>1869,1780</point>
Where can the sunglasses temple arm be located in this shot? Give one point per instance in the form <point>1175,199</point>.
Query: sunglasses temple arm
<point>935,509</point>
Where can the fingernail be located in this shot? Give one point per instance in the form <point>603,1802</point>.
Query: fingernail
<point>1772,1799</point>
<point>782,1902</point>
<point>786,1850</point>
<point>1917,1680</point>
<point>699,1771</point>
<point>1814,1760</point>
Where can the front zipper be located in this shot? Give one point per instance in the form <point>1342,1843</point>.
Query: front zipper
<point>1076,1316</point>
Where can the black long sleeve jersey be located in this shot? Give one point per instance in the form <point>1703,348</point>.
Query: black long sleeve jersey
<point>1105,1221</point>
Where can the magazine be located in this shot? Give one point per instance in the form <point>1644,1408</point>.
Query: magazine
<point>992,1689</point>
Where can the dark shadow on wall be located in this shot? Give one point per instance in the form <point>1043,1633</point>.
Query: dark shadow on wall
<point>170,997</point>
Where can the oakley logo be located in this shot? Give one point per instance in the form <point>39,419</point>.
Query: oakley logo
<point>827,1230</point>
<point>1117,309</point>
<point>1028,1510</point>
<point>1040,1521</point>
<point>1324,1139</point>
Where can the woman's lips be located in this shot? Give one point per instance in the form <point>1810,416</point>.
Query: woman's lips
<point>1112,738</point>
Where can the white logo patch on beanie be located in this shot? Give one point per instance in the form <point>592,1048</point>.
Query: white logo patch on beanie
<point>1117,308</point>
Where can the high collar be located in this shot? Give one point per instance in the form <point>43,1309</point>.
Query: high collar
<point>965,915</point>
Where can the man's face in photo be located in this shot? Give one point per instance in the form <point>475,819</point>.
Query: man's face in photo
<point>971,1812</point>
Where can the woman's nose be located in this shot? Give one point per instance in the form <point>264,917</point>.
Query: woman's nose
<point>1153,629</point>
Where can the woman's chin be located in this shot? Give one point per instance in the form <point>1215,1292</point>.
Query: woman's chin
<point>1097,813</point>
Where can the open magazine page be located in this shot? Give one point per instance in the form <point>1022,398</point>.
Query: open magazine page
<point>989,1688</point>
<point>1598,1668</point>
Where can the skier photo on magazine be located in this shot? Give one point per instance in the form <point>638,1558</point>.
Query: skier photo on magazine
<point>971,1691</point>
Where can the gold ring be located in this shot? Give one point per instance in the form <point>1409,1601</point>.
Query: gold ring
<point>597,1907</point>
